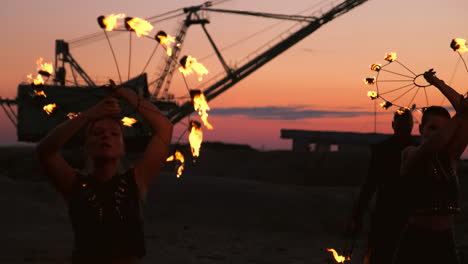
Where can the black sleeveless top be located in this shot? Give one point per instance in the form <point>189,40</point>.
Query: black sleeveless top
<point>106,218</point>
<point>434,188</point>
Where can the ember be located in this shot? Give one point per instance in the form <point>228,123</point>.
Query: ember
<point>72,115</point>
<point>376,67</point>
<point>36,81</point>
<point>386,105</point>
<point>200,105</point>
<point>403,110</point>
<point>39,94</point>
<point>44,68</point>
<point>189,65</point>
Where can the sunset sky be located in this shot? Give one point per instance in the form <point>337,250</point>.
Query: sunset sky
<point>315,85</point>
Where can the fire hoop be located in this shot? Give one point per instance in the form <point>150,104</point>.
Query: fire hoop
<point>394,81</point>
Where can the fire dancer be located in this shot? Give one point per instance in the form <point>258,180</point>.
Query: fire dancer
<point>387,217</point>
<point>104,205</point>
<point>430,175</point>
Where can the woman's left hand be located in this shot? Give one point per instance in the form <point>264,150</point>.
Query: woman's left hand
<point>114,90</point>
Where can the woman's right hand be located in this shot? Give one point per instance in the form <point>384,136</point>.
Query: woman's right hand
<point>105,108</point>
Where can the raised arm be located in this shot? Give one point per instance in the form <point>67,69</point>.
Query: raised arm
<point>154,157</point>
<point>48,149</point>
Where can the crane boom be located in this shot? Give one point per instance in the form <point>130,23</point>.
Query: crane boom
<point>229,80</point>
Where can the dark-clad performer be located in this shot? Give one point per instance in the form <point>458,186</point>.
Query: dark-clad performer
<point>430,175</point>
<point>104,204</point>
<point>383,180</point>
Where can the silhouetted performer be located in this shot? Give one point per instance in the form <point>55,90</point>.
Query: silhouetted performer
<point>104,204</point>
<point>383,179</point>
<point>430,175</point>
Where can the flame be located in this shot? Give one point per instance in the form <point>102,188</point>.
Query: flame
<point>39,94</point>
<point>403,110</point>
<point>200,105</point>
<point>128,121</point>
<point>376,67</point>
<point>49,109</point>
<point>180,157</point>
<point>72,115</point>
<point>385,105</point>
<point>338,258</point>
<point>458,45</point>
<point>190,65</point>
<point>391,56</point>
<point>36,81</point>
<point>370,80</point>
<point>44,68</point>
<point>195,139</point>
<point>372,95</point>
<point>110,21</point>
<point>140,26</point>
<point>166,40</point>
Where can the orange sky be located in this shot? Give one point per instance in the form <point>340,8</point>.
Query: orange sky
<point>324,72</point>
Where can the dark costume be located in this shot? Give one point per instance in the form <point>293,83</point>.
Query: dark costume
<point>106,218</point>
<point>387,218</point>
<point>432,190</point>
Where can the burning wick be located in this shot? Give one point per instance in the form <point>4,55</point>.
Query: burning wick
<point>165,40</point>
<point>109,22</point>
<point>180,157</point>
<point>372,95</point>
<point>195,138</point>
<point>50,108</point>
<point>385,105</point>
<point>370,80</point>
<point>140,26</point>
<point>189,65</point>
<point>459,45</point>
<point>44,69</point>
<point>338,258</point>
<point>391,56</point>
<point>36,81</point>
<point>375,67</point>
<point>128,121</point>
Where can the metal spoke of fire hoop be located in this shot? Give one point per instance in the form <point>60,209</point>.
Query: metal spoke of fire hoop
<point>113,54</point>
<point>129,54</point>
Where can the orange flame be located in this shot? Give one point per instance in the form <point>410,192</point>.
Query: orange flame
<point>191,65</point>
<point>372,95</point>
<point>370,80</point>
<point>195,139</point>
<point>140,26</point>
<point>338,258</point>
<point>459,45</point>
<point>376,67</point>
<point>128,121</point>
<point>391,56</point>
<point>166,41</point>
<point>403,110</point>
<point>49,109</point>
<point>72,115</point>
<point>180,157</point>
<point>40,93</point>
<point>44,67</point>
<point>200,105</point>
<point>110,21</point>
<point>36,81</point>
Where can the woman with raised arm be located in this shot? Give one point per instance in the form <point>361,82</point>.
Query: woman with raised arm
<point>104,205</point>
<point>432,184</point>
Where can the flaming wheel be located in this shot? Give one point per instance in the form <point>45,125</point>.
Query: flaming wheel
<point>399,86</point>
